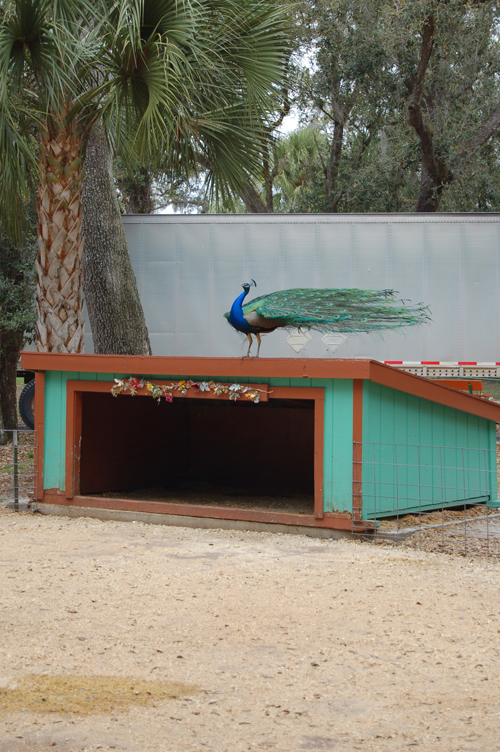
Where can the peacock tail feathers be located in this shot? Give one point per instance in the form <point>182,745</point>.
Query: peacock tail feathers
<point>341,310</point>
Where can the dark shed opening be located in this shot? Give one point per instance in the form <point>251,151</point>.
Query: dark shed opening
<point>195,451</point>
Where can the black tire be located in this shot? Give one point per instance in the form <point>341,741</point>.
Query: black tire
<point>27,404</point>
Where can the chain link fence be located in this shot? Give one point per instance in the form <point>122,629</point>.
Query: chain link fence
<point>17,468</point>
<point>434,498</point>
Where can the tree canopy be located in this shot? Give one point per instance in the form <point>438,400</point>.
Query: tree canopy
<point>183,81</point>
<point>399,107</point>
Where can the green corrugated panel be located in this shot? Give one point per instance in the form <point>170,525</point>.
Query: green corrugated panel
<point>419,455</point>
<point>55,428</point>
<point>337,450</point>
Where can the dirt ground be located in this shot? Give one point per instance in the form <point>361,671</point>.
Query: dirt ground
<point>126,636</point>
<point>300,504</point>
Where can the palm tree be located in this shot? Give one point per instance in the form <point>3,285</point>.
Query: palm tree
<point>181,78</point>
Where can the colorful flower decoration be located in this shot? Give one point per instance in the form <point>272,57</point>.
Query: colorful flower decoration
<point>134,383</point>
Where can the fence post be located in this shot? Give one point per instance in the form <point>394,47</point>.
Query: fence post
<point>16,473</point>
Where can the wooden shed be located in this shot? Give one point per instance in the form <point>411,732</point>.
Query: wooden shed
<point>330,444</point>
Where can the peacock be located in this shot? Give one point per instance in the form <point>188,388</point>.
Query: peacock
<point>326,310</point>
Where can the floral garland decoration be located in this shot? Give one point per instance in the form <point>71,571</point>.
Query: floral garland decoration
<point>235,391</point>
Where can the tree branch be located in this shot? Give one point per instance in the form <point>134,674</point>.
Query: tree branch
<point>268,181</point>
<point>435,172</point>
<point>425,56</point>
<point>252,200</point>
<point>333,166</point>
<point>364,146</point>
<point>323,165</point>
<point>415,115</point>
<point>482,134</point>
<point>282,111</point>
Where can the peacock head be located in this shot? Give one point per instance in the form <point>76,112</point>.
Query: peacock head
<point>247,285</point>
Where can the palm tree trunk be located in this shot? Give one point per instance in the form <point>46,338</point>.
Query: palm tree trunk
<point>60,324</point>
<point>115,311</point>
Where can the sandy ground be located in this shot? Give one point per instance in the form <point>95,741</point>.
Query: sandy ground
<point>167,639</point>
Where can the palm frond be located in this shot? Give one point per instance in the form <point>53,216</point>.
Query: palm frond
<point>17,172</point>
<point>190,77</point>
<point>178,80</point>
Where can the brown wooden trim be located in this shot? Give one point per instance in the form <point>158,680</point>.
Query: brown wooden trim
<point>331,521</point>
<point>74,435</point>
<point>319,453</point>
<point>463,385</point>
<point>315,368</point>
<point>357,449</point>
<point>39,428</point>
<point>135,365</point>
<point>433,391</point>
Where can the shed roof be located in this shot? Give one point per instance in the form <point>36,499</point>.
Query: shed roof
<point>313,368</point>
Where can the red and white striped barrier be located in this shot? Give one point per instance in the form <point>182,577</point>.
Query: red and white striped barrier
<point>433,368</point>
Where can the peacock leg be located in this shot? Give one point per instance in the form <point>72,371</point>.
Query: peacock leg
<point>249,345</point>
<point>258,347</point>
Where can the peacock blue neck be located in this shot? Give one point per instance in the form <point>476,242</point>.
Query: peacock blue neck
<point>236,317</point>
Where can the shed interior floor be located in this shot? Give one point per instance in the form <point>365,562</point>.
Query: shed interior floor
<point>204,452</point>
<point>235,499</point>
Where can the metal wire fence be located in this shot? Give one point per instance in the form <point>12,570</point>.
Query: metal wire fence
<point>17,468</point>
<point>435,498</point>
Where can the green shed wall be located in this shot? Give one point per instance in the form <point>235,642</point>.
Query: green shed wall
<point>337,473</point>
<point>416,427</point>
<point>419,454</point>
